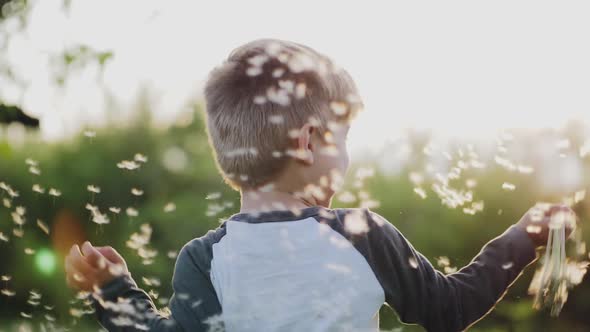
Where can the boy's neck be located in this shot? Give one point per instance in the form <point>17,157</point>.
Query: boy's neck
<point>260,201</point>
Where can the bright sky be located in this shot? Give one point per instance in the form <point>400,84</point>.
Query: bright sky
<point>464,68</point>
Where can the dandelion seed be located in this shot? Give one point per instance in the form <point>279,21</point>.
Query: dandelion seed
<point>29,251</point>
<point>507,266</point>
<point>579,196</point>
<point>31,162</point>
<point>416,178</point>
<point>525,169</point>
<point>38,189</point>
<point>450,269</point>
<point>93,189</point>
<point>169,207</point>
<point>140,158</point>
<point>54,192</point>
<point>99,218</point>
<point>25,315</point>
<point>7,203</point>
<point>278,72</point>
<point>43,226</point>
<point>89,133</point>
<point>3,237</point>
<point>8,292</point>
<point>508,186</point>
<point>420,192</point>
<point>128,165</point>
<point>49,318</point>
<point>259,100</point>
<point>413,262</point>
<point>5,278</point>
<point>253,71</point>
<point>136,192</point>
<point>338,108</point>
<point>215,195</point>
<point>356,223</point>
<point>34,170</point>
<point>276,119</point>
<point>443,261</point>
<point>346,197</point>
<point>18,232</point>
<point>132,212</point>
<point>300,90</point>
<point>172,254</point>
<point>278,96</point>
<point>115,210</point>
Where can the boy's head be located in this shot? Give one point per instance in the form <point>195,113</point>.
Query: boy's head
<point>278,113</point>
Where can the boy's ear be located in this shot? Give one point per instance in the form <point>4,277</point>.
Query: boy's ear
<point>305,146</point>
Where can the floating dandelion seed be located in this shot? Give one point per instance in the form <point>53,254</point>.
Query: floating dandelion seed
<point>38,189</point>
<point>54,192</point>
<point>259,100</point>
<point>508,186</point>
<point>420,192</point>
<point>140,158</point>
<point>43,226</point>
<point>579,196</point>
<point>215,195</point>
<point>137,192</point>
<point>31,162</point>
<point>34,170</point>
<point>128,165</point>
<point>8,292</point>
<point>339,108</point>
<point>132,212</point>
<point>93,189</point>
<point>413,262</point>
<point>172,254</point>
<point>346,197</point>
<point>7,203</point>
<point>115,210</point>
<point>443,261</point>
<point>29,251</point>
<point>18,232</point>
<point>3,237</point>
<point>5,278</point>
<point>169,207</point>
<point>89,133</point>
<point>507,266</point>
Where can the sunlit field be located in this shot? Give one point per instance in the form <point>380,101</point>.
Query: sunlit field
<point>473,113</point>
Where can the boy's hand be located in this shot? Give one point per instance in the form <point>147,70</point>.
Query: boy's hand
<point>538,220</point>
<point>91,267</point>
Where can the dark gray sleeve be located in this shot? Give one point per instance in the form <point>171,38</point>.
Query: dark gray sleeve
<point>123,306</point>
<point>439,302</point>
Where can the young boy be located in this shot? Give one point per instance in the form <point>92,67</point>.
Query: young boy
<point>277,116</point>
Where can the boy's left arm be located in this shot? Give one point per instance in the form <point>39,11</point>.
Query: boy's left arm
<point>122,306</point>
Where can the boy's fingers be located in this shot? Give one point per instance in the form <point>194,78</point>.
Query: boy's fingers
<point>111,254</point>
<point>93,256</point>
<point>78,262</point>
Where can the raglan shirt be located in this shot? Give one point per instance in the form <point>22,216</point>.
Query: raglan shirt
<point>383,267</point>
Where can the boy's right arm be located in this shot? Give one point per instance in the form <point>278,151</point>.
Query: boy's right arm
<point>422,295</point>
<point>123,306</point>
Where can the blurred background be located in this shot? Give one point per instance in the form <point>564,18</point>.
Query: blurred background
<point>474,112</point>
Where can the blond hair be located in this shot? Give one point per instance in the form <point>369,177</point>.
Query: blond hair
<point>263,91</point>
